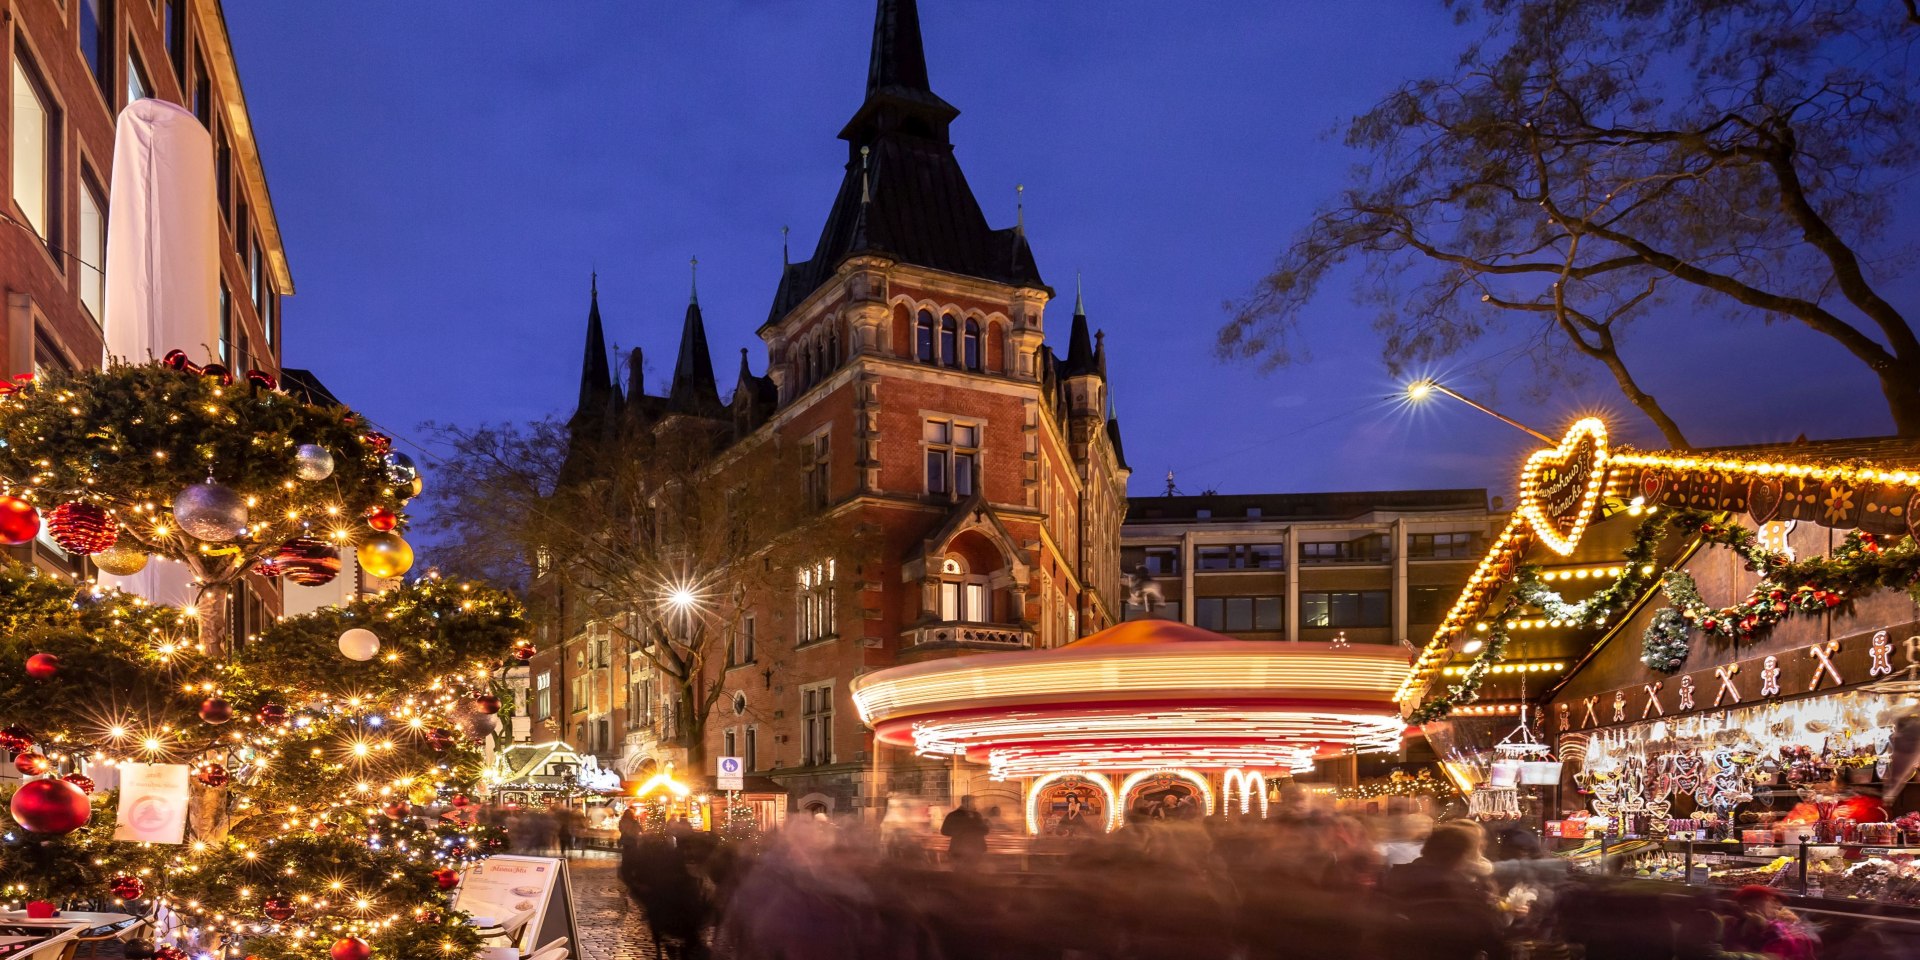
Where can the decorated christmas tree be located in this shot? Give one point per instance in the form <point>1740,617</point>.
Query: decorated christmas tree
<point>329,763</point>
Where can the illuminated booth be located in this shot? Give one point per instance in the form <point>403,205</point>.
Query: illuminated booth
<point>1148,712</point>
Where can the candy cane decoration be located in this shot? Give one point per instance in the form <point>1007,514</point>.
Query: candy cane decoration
<point>1686,694</point>
<point>1823,652</point>
<point>1590,720</point>
<point>1882,652</point>
<point>1653,700</point>
<point>1727,689</point>
<point>1770,677</point>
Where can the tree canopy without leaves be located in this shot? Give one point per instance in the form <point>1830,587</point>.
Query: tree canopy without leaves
<point>612,531</point>
<point>1592,163</point>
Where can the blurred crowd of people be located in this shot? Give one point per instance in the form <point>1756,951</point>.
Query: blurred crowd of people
<point>1302,883</point>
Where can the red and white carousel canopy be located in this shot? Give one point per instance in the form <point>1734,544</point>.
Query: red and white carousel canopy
<point>1146,693</point>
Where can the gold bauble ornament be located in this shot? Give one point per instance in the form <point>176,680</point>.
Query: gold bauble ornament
<point>385,556</point>
<point>423,793</point>
<point>122,560</point>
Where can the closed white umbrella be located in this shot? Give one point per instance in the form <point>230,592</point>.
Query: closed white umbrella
<point>163,237</point>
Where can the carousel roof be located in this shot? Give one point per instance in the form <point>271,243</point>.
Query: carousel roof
<point>1142,693</point>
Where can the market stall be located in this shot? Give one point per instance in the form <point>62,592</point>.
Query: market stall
<point>1717,648</point>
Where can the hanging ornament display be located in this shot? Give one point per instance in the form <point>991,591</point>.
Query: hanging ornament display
<point>439,738</point>
<point>487,703</point>
<point>19,521</point>
<point>126,887</point>
<point>385,556</point>
<point>350,948</point>
<point>382,519</point>
<point>32,764</point>
<point>42,666</point>
<point>279,908</point>
<point>212,775</point>
<point>211,511</point>
<point>50,806</point>
<point>312,461</point>
<point>400,469</point>
<point>447,878</point>
<point>81,780</point>
<point>123,559</point>
<point>360,644</point>
<point>216,710</point>
<point>271,715</point>
<point>308,561</point>
<point>82,528</point>
<point>15,738</point>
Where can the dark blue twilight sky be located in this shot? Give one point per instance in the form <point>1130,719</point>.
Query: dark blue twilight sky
<point>447,174</point>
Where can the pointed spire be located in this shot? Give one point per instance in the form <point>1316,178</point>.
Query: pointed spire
<point>1100,354</point>
<point>693,274</point>
<point>1079,297</point>
<point>596,379</point>
<point>898,60</point>
<point>866,178</point>
<point>1079,344</point>
<point>693,390</point>
<point>785,259</point>
<point>636,374</point>
<point>1020,208</point>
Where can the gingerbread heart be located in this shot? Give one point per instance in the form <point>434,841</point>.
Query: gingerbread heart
<point>1559,488</point>
<point>1764,497</point>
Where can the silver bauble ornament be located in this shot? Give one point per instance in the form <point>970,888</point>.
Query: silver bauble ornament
<point>312,462</point>
<point>359,643</point>
<point>400,469</point>
<point>211,512</point>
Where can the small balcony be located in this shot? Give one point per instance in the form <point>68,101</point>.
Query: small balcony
<point>967,636</point>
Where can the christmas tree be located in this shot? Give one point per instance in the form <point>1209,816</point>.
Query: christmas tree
<point>333,757</point>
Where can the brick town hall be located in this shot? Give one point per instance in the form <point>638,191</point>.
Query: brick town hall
<point>909,355</point>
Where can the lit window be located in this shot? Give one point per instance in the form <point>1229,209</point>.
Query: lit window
<point>35,138</point>
<point>817,611</point>
<point>93,250</point>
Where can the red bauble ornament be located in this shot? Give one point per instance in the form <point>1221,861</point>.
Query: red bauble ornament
<point>439,738</point>
<point>19,521</point>
<point>308,561</point>
<point>278,908</point>
<point>271,714</point>
<point>216,710</point>
<point>350,948</point>
<point>50,806</point>
<point>83,528</point>
<point>382,519</point>
<point>167,951</point>
<point>397,809</point>
<point>126,887</point>
<point>42,666</point>
<point>15,738</point>
<point>523,654</point>
<point>447,878</point>
<point>32,764</point>
<point>81,780</point>
<point>213,775</point>
<point>460,800</point>
<point>429,916</point>
<point>487,703</point>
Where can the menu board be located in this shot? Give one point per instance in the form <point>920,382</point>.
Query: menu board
<point>500,888</point>
<point>153,803</point>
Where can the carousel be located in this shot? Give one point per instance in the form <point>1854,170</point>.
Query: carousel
<point>1149,716</point>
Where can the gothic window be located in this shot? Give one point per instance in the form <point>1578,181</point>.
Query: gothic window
<point>833,348</point>
<point>964,598</point>
<point>816,714</point>
<point>816,603</point>
<point>949,331</point>
<point>819,464</point>
<point>972,344</point>
<point>924,337</point>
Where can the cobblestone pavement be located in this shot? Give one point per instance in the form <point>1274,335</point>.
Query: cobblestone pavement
<point>611,926</point>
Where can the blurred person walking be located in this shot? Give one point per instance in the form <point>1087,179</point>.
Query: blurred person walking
<point>1441,907</point>
<point>966,833</point>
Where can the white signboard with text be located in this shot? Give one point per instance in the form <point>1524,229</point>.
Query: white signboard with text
<point>153,803</point>
<point>501,889</point>
<point>731,773</point>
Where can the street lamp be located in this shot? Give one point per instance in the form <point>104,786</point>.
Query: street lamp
<point>1425,387</point>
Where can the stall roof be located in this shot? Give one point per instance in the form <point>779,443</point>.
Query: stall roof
<point>1581,507</point>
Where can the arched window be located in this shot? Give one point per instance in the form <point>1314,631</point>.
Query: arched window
<point>964,596</point>
<point>949,332</point>
<point>806,366</point>
<point>924,337</point>
<point>972,348</point>
<point>823,359</point>
<point>833,348</point>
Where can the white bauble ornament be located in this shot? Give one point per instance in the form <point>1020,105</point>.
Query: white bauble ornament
<point>312,462</point>
<point>359,643</point>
